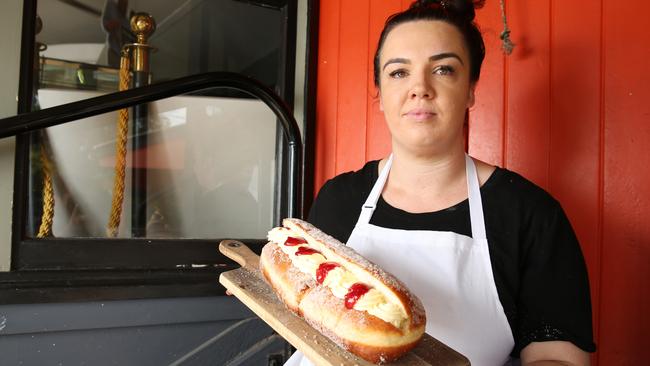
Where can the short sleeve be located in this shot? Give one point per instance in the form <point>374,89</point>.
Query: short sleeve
<point>554,300</point>
<point>320,213</point>
<point>335,210</point>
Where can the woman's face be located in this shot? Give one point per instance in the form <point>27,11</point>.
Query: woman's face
<point>424,86</point>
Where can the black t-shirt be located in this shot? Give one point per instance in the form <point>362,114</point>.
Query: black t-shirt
<point>538,267</point>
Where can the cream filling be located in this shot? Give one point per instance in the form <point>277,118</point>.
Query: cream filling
<point>339,280</point>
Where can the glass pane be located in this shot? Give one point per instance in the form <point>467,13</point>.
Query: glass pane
<point>221,35</point>
<point>191,37</point>
<point>209,165</point>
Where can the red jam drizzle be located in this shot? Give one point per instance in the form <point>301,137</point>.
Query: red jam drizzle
<point>292,241</point>
<point>323,270</point>
<point>354,293</point>
<point>306,251</point>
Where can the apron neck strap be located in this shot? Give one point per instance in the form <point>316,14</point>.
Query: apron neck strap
<point>371,202</point>
<point>473,190</point>
<point>475,202</point>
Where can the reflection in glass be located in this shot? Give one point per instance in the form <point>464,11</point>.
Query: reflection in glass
<point>62,74</point>
<point>210,166</point>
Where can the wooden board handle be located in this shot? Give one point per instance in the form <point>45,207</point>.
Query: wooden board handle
<point>240,253</point>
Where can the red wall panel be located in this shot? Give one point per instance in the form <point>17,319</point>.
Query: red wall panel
<point>486,125</point>
<point>574,130</point>
<point>568,110</point>
<point>527,89</point>
<point>625,299</point>
<point>353,84</point>
<point>327,91</point>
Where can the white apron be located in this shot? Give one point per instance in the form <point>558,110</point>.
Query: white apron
<point>450,273</point>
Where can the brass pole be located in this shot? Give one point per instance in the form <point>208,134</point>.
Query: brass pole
<point>142,25</point>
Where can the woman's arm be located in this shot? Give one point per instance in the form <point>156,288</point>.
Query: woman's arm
<point>554,323</point>
<point>553,353</point>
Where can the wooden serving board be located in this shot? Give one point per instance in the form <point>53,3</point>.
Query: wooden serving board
<point>248,285</point>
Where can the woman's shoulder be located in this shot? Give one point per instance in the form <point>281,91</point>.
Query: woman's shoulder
<point>495,179</point>
<point>512,186</point>
<point>352,183</point>
<point>338,203</point>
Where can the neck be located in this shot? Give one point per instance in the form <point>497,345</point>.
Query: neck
<point>426,183</point>
<point>421,170</point>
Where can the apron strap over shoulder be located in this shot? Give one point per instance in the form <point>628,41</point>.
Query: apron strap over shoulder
<point>369,206</point>
<point>474,198</point>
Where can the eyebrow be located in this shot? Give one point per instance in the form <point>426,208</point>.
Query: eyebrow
<point>436,57</point>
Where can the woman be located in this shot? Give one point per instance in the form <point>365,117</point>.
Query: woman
<point>492,256</point>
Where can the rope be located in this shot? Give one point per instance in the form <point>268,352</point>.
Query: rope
<point>47,219</point>
<point>505,35</point>
<point>120,153</point>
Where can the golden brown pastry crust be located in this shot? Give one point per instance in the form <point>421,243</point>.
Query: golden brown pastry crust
<point>359,332</point>
<point>286,280</point>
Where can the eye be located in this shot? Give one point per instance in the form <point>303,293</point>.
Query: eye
<point>443,70</point>
<point>398,74</point>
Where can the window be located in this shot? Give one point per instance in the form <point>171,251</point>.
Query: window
<point>199,167</point>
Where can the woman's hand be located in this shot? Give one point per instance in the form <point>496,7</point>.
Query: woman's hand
<point>554,353</point>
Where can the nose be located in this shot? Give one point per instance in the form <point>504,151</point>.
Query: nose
<point>421,87</point>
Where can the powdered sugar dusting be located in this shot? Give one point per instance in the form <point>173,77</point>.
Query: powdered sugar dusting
<point>300,280</point>
<point>362,267</point>
<point>339,280</point>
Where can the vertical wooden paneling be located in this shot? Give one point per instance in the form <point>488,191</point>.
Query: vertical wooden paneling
<point>352,84</point>
<point>326,92</point>
<point>527,125</point>
<point>378,137</point>
<point>568,110</point>
<point>486,117</point>
<point>625,298</point>
<point>574,169</point>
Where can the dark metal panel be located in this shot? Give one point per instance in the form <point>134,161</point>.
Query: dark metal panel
<point>39,318</point>
<point>76,253</point>
<point>188,331</point>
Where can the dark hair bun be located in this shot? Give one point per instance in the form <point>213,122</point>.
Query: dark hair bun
<point>459,8</point>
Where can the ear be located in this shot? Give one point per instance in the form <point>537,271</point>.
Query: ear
<point>381,103</point>
<point>471,97</point>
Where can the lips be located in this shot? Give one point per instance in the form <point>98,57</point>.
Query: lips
<point>420,114</point>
